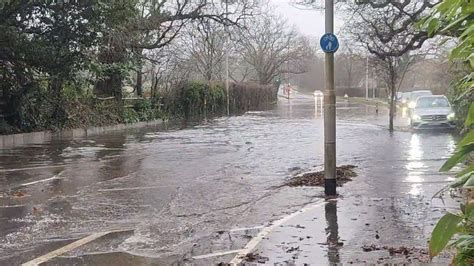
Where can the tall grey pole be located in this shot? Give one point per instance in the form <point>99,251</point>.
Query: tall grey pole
<point>367,78</point>
<point>227,60</point>
<point>329,111</point>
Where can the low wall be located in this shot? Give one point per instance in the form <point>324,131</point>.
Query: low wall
<point>10,141</point>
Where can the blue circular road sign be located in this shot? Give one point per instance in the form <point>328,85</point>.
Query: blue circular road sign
<point>329,43</point>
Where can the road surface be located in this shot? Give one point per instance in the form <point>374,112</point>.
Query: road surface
<point>178,193</point>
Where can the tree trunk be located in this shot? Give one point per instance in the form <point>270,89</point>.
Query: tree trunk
<point>116,83</point>
<point>139,85</point>
<point>153,86</point>
<point>393,92</point>
<point>391,113</point>
<point>59,115</point>
<point>349,74</point>
<point>110,83</point>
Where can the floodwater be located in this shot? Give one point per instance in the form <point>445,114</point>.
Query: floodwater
<point>179,193</point>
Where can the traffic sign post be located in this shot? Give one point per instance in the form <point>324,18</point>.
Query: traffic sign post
<point>329,44</point>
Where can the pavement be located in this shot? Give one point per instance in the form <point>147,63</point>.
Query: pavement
<point>210,193</point>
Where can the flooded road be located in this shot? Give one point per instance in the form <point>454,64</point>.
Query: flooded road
<point>179,194</point>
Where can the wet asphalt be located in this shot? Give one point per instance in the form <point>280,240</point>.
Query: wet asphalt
<point>183,191</point>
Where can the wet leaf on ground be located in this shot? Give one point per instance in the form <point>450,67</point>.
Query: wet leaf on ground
<point>252,257</point>
<point>18,194</point>
<point>293,249</point>
<point>344,174</point>
<point>368,248</point>
<point>413,252</point>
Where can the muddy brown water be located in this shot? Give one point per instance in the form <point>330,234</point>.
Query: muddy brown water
<point>182,190</point>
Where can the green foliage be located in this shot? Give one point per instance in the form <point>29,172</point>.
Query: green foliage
<point>6,128</point>
<point>203,99</point>
<point>444,230</point>
<point>146,111</point>
<point>196,99</point>
<point>463,224</point>
<point>455,18</point>
<point>459,225</point>
<point>130,116</point>
<point>470,117</point>
<point>458,157</point>
<point>35,110</point>
<point>45,48</point>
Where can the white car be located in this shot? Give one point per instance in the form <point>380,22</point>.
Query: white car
<point>415,94</point>
<point>432,112</point>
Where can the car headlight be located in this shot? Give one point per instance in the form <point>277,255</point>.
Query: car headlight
<point>451,116</point>
<point>412,105</point>
<point>416,118</point>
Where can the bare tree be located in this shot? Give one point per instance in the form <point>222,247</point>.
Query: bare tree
<point>272,48</point>
<point>169,69</point>
<point>154,24</point>
<point>387,30</point>
<point>204,44</point>
<point>349,66</point>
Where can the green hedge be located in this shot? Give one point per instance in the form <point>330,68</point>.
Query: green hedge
<point>198,99</point>
<point>38,109</point>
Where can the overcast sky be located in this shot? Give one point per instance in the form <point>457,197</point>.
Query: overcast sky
<point>308,22</point>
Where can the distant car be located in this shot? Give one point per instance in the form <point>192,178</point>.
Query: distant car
<point>404,99</point>
<point>415,94</point>
<point>432,112</point>
<point>399,95</point>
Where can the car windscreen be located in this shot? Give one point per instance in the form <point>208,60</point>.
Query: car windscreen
<point>415,95</point>
<point>432,102</point>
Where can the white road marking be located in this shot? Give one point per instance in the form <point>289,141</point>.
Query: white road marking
<point>265,231</point>
<point>12,206</point>
<point>30,168</point>
<point>68,248</point>
<point>42,180</point>
<point>216,254</point>
<point>246,228</point>
<point>130,188</point>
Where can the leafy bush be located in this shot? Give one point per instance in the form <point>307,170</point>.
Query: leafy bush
<point>130,116</point>
<point>6,128</point>
<point>35,110</point>
<point>203,99</point>
<point>251,96</point>
<point>145,110</point>
<point>77,107</point>
<point>454,18</point>
<point>459,224</point>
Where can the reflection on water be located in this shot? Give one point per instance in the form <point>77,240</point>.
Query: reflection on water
<point>318,106</point>
<point>404,112</point>
<point>451,144</point>
<point>332,232</point>
<point>415,163</point>
<point>415,152</point>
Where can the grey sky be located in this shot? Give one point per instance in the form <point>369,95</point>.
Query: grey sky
<point>308,22</point>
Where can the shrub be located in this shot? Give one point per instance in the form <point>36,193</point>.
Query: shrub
<point>130,116</point>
